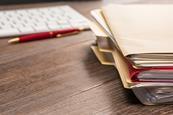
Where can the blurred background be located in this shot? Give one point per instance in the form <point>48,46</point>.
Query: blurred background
<point>33,1</point>
<point>2,2</point>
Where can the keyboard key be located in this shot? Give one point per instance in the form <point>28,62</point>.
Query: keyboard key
<point>66,26</point>
<point>5,26</point>
<point>9,32</point>
<point>41,28</point>
<point>80,25</point>
<point>62,22</point>
<point>27,30</point>
<point>54,27</point>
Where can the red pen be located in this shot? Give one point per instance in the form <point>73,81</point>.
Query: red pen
<point>46,35</point>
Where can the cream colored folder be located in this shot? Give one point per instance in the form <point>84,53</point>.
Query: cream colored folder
<point>104,58</point>
<point>141,29</point>
<point>140,60</point>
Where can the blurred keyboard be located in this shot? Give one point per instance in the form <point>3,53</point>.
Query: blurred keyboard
<point>27,21</point>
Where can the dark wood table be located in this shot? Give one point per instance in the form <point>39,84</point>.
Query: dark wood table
<point>63,77</point>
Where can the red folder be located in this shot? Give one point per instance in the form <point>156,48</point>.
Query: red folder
<point>134,73</point>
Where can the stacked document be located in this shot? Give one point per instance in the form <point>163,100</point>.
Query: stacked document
<point>137,40</point>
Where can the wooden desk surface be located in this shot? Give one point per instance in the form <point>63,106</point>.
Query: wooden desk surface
<point>63,77</point>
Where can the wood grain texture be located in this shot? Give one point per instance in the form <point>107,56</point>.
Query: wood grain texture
<point>63,77</point>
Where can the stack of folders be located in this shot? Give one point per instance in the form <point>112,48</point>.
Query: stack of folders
<point>138,41</point>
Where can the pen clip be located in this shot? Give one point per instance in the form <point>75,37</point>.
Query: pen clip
<point>67,34</point>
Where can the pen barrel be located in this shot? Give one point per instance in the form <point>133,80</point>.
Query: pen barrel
<point>65,31</point>
<point>47,35</point>
<point>32,37</point>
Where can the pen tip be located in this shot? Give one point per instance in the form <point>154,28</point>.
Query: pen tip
<point>15,40</point>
